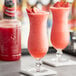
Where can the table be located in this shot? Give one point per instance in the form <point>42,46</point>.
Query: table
<point>13,68</point>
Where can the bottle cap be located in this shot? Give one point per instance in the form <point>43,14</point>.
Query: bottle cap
<point>9,9</point>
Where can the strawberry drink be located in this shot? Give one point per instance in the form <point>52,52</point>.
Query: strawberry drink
<point>60,32</point>
<point>10,41</point>
<point>37,41</point>
<point>10,33</point>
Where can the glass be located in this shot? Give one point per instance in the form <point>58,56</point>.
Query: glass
<point>10,40</point>
<point>60,32</point>
<point>38,40</point>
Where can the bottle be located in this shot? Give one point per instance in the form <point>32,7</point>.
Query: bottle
<point>10,33</point>
<point>74,9</point>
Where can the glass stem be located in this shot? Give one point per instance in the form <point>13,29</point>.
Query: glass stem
<point>38,65</point>
<point>59,54</point>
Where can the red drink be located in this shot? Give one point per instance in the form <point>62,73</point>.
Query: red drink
<point>10,40</point>
<point>10,34</point>
<point>38,41</point>
<point>60,31</point>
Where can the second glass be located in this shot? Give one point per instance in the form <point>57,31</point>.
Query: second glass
<point>60,31</point>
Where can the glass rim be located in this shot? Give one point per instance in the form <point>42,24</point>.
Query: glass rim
<point>39,13</point>
<point>60,7</point>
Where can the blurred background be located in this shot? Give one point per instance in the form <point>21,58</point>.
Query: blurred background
<point>43,5</point>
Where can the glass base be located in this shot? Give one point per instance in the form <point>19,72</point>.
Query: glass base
<point>33,70</point>
<point>60,59</point>
<point>43,72</point>
<point>58,64</point>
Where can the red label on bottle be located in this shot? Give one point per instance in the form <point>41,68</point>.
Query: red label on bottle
<point>9,11</point>
<point>9,8</point>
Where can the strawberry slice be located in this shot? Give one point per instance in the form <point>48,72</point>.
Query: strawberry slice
<point>28,10</point>
<point>57,4</point>
<point>35,10</point>
<point>62,4</point>
<point>67,4</point>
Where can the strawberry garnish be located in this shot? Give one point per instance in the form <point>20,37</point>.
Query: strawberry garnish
<point>57,4</point>
<point>28,10</point>
<point>61,4</point>
<point>67,4</point>
<point>35,10</point>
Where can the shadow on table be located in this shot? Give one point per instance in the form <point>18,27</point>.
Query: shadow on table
<point>10,68</point>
